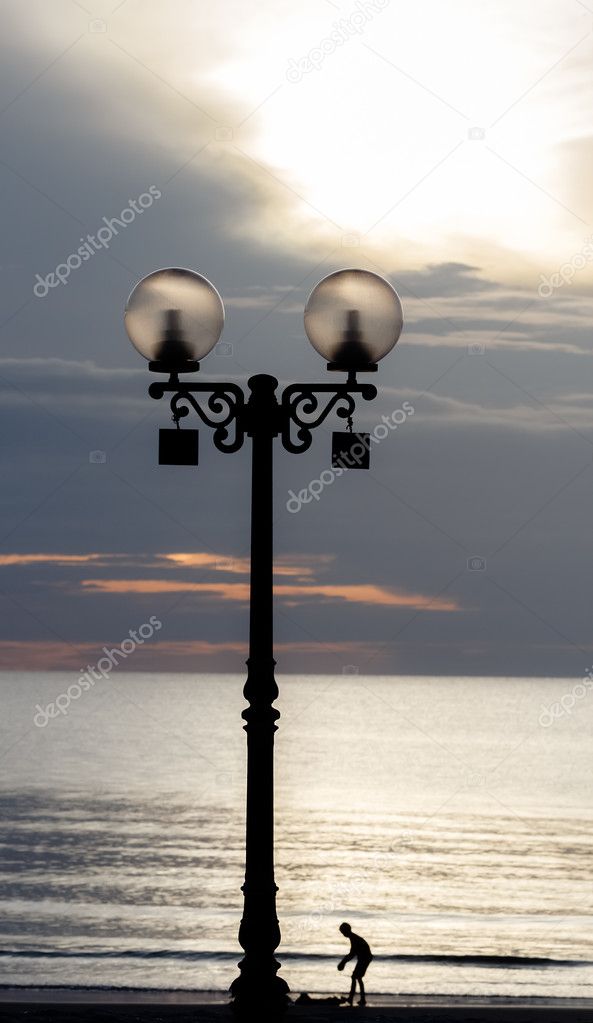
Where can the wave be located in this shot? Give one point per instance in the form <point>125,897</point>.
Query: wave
<point>193,956</point>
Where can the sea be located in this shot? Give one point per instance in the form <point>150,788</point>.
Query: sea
<point>448,820</point>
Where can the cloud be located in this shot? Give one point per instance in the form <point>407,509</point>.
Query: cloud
<point>367,593</point>
<point>50,559</point>
<point>214,562</point>
<point>166,655</point>
<point>550,412</point>
<point>283,165</point>
<point>301,565</point>
<point>259,297</point>
<point>445,280</point>
<point>496,461</point>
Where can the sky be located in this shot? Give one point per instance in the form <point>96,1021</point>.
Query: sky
<point>445,147</point>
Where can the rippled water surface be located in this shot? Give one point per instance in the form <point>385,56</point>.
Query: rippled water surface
<point>438,816</point>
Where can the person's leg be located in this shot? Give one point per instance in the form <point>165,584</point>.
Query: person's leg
<point>362,994</point>
<point>352,989</point>
<point>361,969</point>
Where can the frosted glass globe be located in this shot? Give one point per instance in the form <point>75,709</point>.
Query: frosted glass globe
<point>174,316</point>
<point>353,318</point>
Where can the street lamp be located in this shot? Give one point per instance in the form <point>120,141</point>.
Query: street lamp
<point>174,317</point>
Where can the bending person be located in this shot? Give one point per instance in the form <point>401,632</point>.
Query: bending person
<point>359,950</point>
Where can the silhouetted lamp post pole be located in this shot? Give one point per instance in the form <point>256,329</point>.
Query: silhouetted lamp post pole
<point>174,317</point>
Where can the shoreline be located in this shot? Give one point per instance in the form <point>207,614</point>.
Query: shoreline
<point>109,1005</point>
<point>52,995</point>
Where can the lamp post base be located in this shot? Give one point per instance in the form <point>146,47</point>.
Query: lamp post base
<point>259,991</point>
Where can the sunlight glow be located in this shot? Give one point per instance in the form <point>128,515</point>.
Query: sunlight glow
<point>398,138</point>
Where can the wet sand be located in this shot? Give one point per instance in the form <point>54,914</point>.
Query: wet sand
<point>24,1005</point>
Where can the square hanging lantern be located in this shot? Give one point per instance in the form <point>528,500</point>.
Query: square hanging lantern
<point>178,447</point>
<point>351,450</point>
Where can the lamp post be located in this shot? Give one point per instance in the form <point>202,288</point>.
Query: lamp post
<point>174,317</point>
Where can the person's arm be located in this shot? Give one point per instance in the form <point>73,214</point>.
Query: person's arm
<point>346,959</point>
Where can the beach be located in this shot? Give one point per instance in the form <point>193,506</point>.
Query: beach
<point>38,1006</point>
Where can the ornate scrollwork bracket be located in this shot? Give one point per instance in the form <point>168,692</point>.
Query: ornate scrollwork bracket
<point>303,409</point>
<point>223,411</point>
<point>300,410</point>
